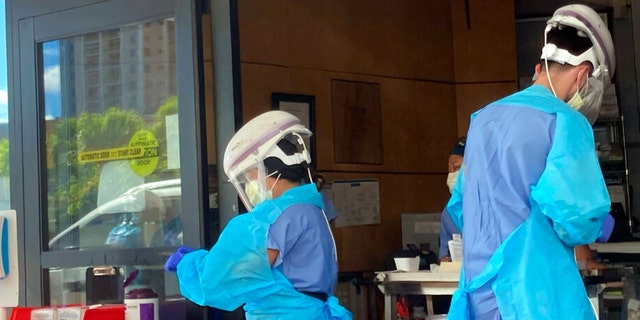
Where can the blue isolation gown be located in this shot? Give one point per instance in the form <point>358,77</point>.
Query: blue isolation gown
<point>533,189</point>
<point>447,230</point>
<point>236,270</point>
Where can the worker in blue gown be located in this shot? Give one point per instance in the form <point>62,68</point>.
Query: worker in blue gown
<point>530,188</point>
<point>447,226</point>
<point>279,260</point>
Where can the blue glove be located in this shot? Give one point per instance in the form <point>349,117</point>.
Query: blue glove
<point>607,229</point>
<point>173,260</point>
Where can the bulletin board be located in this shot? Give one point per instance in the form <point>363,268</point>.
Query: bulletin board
<point>357,202</point>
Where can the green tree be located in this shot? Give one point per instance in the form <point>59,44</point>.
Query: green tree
<point>73,186</point>
<point>4,157</point>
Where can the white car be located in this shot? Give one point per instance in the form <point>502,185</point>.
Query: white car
<point>137,218</point>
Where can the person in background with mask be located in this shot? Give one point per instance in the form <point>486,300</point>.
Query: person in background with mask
<point>530,188</point>
<point>329,208</point>
<point>279,260</point>
<point>447,227</point>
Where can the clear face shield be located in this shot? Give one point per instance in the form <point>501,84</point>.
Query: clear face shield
<point>253,184</point>
<point>587,99</point>
<point>591,98</point>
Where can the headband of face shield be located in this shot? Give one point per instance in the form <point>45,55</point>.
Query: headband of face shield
<point>588,98</point>
<point>589,24</point>
<point>257,141</point>
<point>287,160</point>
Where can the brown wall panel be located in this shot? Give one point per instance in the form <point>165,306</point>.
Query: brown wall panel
<point>206,37</point>
<point>208,89</point>
<point>258,82</point>
<point>484,50</point>
<point>209,114</point>
<point>363,248</point>
<point>471,97</point>
<point>419,125</point>
<point>357,122</point>
<point>263,27</point>
<point>432,71</point>
<point>418,118</point>
<point>407,38</point>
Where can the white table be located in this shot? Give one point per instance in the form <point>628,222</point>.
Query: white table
<point>617,247</point>
<point>426,283</point>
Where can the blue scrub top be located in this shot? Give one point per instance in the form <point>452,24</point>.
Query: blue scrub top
<point>530,189</point>
<point>447,230</point>
<point>307,256</point>
<point>236,270</point>
<point>329,209</point>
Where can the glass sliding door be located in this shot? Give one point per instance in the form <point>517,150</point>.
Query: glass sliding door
<point>111,126</point>
<point>115,135</point>
<point>113,167</point>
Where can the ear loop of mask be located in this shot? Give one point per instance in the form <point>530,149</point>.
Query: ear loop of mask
<point>264,194</point>
<point>277,179</point>
<point>585,87</point>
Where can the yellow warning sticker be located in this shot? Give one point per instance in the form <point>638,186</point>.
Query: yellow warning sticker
<point>148,162</point>
<point>142,153</point>
<point>110,154</point>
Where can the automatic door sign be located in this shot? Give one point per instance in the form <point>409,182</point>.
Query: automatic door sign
<point>148,162</point>
<point>142,153</point>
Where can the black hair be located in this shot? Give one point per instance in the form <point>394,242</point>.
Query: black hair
<point>567,38</point>
<point>293,173</point>
<point>318,179</point>
<point>458,148</point>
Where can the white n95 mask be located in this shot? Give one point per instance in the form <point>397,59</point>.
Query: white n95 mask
<point>252,190</point>
<point>452,177</point>
<point>576,101</point>
<point>588,103</point>
<point>592,100</point>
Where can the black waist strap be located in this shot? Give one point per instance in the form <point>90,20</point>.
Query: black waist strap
<point>318,295</point>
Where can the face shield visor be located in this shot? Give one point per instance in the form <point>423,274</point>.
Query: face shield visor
<point>591,99</point>
<point>588,99</point>
<point>251,185</point>
<point>248,157</point>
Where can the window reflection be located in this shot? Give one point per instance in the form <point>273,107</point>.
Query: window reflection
<point>111,115</point>
<point>83,286</point>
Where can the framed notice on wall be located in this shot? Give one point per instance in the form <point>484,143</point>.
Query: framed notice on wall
<point>357,202</point>
<point>303,107</point>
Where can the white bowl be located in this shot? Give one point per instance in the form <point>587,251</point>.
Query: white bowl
<point>407,264</point>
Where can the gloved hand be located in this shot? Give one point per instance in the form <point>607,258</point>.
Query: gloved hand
<point>173,260</point>
<point>607,229</point>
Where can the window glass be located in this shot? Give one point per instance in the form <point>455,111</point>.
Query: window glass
<point>111,114</point>
<point>91,285</point>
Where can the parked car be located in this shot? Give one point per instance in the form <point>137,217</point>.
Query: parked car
<point>143,216</point>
